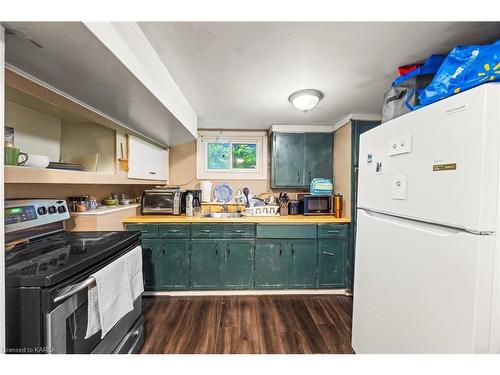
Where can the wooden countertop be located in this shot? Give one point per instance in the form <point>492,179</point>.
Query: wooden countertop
<point>289,219</point>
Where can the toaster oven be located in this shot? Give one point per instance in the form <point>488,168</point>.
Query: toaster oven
<point>161,202</point>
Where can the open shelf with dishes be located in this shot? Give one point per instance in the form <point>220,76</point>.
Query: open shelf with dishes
<point>82,145</point>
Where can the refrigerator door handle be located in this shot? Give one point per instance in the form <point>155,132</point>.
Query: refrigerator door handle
<point>435,229</point>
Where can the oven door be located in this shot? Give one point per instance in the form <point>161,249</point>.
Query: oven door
<point>66,321</point>
<point>157,202</point>
<point>66,327</point>
<point>318,205</point>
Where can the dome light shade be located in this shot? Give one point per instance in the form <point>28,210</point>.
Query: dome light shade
<point>304,100</point>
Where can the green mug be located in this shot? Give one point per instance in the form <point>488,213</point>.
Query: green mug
<point>12,154</point>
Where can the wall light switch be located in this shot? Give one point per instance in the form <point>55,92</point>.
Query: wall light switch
<point>400,145</point>
<point>399,186</point>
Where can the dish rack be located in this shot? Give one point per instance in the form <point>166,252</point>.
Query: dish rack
<point>261,211</point>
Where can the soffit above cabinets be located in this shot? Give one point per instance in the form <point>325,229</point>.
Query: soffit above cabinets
<point>72,59</point>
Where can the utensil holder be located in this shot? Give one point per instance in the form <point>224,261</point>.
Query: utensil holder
<point>283,211</point>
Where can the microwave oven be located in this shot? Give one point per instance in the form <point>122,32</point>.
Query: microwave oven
<point>161,202</point>
<point>318,204</point>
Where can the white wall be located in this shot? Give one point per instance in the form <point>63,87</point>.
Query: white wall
<point>85,138</point>
<point>35,132</point>
<point>2,229</point>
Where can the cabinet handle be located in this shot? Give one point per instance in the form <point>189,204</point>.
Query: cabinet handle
<point>309,176</point>
<point>206,230</point>
<point>174,230</point>
<point>281,250</point>
<point>298,177</point>
<point>217,249</point>
<point>238,231</point>
<point>228,250</point>
<point>327,253</point>
<point>293,251</point>
<point>163,248</point>
<point>152,172</point>
<point>333,231</point>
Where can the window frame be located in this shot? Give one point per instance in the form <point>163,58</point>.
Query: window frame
<point>259,138</point>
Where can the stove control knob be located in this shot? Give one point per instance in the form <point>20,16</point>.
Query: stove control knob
<point>52,210</point>
<point>42,210</point>
<point>61,209</point>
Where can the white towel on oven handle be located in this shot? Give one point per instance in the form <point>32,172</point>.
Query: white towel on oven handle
<point>117,287</point>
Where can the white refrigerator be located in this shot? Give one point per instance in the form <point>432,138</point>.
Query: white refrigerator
<point>427,260</point>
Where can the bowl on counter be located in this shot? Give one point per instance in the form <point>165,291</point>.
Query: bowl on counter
<point>110,202</point>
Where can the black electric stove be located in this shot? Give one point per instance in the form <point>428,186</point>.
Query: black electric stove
<point>46,261</point>
<point>47,271</point>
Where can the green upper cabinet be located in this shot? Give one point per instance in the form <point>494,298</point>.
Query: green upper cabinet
<point>269,265</point>
<point>288,160</point>
<point>175,260</point>
<point>318,156</point>
<point>297,158</point>
<point>205,263</point>
<point>237,264</point>
<point>302,264</point>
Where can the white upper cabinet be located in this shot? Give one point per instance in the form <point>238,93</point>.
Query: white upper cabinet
<point>146,162</point>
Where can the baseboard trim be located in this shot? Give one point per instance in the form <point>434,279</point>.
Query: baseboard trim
<point>192,293</point>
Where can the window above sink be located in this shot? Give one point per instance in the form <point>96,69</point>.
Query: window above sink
<point>232,155</point>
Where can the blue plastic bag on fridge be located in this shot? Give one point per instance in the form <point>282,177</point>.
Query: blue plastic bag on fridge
<point>464,67</point>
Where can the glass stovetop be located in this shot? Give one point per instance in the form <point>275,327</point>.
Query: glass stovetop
<point>48,260</point>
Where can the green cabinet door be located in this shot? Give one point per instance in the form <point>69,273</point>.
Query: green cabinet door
<point>151,264</point>
<point>302,257</point>
<point>318,156</point>
<point>269,266</point>
<point>288,160</point>
<point>332,255</point>
<point>175,263</point>
<point>237,264</point>
<point>205,263</point>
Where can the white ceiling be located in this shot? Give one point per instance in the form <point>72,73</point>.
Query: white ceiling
<point>239,75</point>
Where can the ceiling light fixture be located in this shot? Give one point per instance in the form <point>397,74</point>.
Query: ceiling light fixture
<point>304,100</point>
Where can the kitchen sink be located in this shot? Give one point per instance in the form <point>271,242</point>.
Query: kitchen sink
<point>223,215</point>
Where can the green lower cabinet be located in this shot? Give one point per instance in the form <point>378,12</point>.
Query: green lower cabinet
<point>302,264</point>
<point>332,263</point>
<point>175,261</point>
<point>221,256</point>
<point>269,265</point>
<point>205,263</point>
<point>151,264</point>
<point>237,264</point>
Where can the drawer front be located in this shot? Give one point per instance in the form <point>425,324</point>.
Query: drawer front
<point>147,230</point>
<point>332,230</point>
<point>239,230</point>
<point>207,230</point>
<point>286,231</point>
<point>174,230</point>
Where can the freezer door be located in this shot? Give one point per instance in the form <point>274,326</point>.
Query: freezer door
<point>438,164</point>
<point>420,288</point>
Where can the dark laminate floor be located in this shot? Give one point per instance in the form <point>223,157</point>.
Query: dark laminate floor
<point>248,324</point>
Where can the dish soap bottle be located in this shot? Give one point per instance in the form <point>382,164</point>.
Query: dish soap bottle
<point>189,204</point>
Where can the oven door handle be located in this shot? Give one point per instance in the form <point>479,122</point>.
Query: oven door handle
<point>73,289</point>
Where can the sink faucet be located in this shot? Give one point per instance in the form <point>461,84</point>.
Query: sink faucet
<point>225,208</point>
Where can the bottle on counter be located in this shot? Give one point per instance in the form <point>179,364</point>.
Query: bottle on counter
<point>338,205</point>
<point>189,204</point>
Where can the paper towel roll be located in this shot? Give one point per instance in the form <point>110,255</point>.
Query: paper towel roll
<point>206,191</point>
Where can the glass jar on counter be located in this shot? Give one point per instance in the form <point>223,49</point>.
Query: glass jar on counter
<point>78,204</point>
